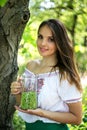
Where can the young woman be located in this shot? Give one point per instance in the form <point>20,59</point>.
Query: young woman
<point>59,87</point>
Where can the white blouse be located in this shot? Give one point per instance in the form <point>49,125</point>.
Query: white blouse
<point>53,95</point>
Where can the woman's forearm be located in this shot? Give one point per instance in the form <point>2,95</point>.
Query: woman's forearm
<point>74,116</point>
<point>62,117</point>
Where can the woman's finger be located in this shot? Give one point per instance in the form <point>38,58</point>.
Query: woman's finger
<point>19,109</point>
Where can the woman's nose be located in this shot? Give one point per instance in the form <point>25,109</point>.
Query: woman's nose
<point>44,42</point>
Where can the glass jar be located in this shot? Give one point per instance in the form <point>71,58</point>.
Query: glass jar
<point>29,93</point>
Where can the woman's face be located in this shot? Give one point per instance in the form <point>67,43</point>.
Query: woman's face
<point>45,42</point>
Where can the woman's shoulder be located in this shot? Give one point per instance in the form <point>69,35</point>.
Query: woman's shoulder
<point>32,64</point>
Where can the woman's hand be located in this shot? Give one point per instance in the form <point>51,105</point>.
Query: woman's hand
<point>16,87</point>
<point>37,111</point>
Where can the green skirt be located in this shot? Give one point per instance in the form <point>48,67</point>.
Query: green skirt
<point>39,125</point>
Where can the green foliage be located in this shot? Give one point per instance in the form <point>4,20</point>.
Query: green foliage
<point>28,49</point>
<point>2,2</point>
<point>28,42</point>
<point>81,58</point>
<point>18,123</point>
<point>71,13</point>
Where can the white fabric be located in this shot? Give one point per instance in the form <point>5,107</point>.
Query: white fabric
<point>52,95</point>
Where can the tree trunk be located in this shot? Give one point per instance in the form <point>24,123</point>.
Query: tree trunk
<point>13,18</point>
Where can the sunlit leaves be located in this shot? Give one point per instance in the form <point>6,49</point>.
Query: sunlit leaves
<point>28,49</point>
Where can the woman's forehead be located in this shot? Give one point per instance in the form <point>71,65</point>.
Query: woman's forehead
<point>45,30</point>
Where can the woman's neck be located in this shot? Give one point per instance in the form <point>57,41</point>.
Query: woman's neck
<point>49,61</point>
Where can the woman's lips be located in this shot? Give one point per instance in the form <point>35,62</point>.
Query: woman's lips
<point>43,49</point>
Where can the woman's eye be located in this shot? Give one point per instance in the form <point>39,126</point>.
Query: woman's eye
<point>40,37</point>
<point>51,39</point>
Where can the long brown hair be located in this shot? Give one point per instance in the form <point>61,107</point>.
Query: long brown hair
<point>65,52</point>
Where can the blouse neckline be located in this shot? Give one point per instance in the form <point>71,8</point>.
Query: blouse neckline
<point>43,74</point>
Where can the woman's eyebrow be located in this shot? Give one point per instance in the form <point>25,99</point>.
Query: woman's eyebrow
<point>46,35</point>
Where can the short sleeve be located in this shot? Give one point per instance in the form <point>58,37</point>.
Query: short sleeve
<point>69,92</point>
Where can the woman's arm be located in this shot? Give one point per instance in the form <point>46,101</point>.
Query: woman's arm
<point>74,116</point>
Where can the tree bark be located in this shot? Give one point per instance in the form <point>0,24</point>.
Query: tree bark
<point>13,18</point>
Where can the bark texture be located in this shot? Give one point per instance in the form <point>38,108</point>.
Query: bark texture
<point>13,18</point>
